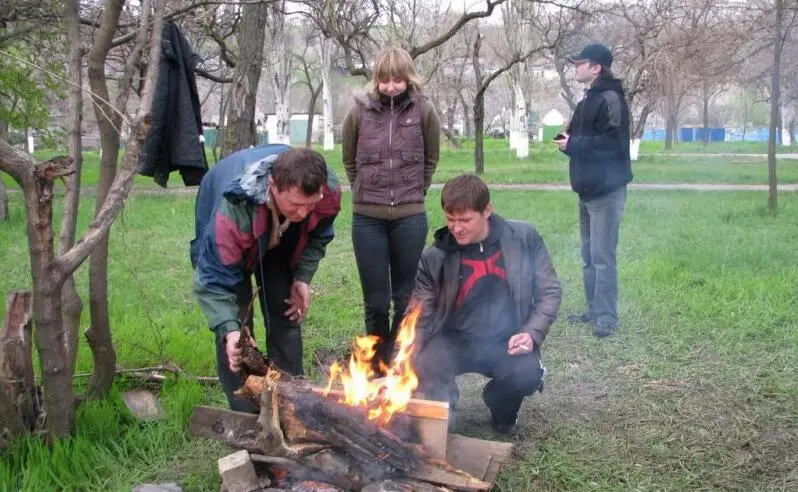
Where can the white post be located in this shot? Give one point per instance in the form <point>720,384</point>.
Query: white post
<point>634,149</point>
<point>31,146</point>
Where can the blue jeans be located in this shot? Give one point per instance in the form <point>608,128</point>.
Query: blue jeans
<point>387,253</point>
<point>599,227</point>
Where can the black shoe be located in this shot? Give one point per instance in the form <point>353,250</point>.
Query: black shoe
<point>579,318</point>
<point>602,331</point>
<point>507,429</point>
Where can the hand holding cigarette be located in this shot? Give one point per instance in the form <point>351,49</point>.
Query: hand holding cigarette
<point>520,344</point>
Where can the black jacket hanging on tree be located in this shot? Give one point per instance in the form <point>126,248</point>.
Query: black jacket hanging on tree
<point>174,139</point>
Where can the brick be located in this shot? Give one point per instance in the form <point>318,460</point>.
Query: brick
<point>238,473</point>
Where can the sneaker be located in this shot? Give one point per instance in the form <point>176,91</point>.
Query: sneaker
<point>579,318</point>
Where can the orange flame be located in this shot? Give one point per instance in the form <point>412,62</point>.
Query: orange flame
<point>385,396</point>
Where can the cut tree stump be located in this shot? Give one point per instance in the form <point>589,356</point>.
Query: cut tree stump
<point>19,401</point>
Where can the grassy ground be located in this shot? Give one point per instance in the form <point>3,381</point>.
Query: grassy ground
<point>546,164</point>
<point>696,392</point>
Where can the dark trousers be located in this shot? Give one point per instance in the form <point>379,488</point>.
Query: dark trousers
<point>387,253</point>
<point>283,337</point>
<point>513,377</point>
<point>599,228</point>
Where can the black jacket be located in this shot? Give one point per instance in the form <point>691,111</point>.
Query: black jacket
<point>598,142</point>
<point>173,142</point>
<point>533,282</point>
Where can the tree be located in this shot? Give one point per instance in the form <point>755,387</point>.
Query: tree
<point>281,64</point>
<point>49,270</point>
<point>548,26</point>
<point>310,67</point>
<point>782,26</point>
<point>247,64</point>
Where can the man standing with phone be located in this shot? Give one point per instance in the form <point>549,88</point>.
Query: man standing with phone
<point>597,141</point>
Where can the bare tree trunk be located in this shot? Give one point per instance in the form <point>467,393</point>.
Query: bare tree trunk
<point>479,133</point>
<point>47,281</point>
<point>705,98</point>
<point>467,131</point>
<point>775,100</point>
<point>239,132</point>
<point>281,60</point>
<point>479,109</point>
<point>110,122</point>
<point>640,124</point>
<point>520,121</point>
<point>98,333</point>
<point>314,97</point>
<point>670,132</point>
<point>70,300</point>
<point>327,50</point>
<point>4,212</point>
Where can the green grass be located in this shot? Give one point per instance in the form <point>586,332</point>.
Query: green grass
<point>545,164</point>
<point>715,148</point>
<point>697,391</point>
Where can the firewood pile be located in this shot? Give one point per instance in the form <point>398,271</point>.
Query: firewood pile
<point>306,439</point>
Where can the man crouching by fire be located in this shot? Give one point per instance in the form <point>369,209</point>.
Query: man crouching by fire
<point>489,294</point>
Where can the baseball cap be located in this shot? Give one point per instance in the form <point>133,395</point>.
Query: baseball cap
<point>595,53</point>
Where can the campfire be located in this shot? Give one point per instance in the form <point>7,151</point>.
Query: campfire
<point>359,433</point>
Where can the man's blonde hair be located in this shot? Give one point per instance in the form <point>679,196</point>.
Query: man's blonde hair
<point>394,62</point>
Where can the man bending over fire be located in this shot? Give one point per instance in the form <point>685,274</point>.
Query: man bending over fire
<point>267,211</point>
<point>488,293</point>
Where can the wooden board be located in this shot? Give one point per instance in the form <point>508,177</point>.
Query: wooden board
<point>480,458</point>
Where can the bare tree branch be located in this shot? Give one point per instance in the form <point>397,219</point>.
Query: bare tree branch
<point>214,78</point>
<point>123,182</point>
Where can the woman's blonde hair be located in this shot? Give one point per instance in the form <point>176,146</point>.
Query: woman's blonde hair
<point>396,63</point>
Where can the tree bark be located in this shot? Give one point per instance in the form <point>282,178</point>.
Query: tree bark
<point>70,300</point>
<point>327,50</point>
<point>4,212</point>
<point>775,99</point>
<point>110,121</point>
<point>705,99</point>
<point>47,282</point>
<point>479,109</point>
<point>280,58</point>
<point>314,97</point>
<point>670,132</point>
<point>239,132</point>
<point>467,130</point>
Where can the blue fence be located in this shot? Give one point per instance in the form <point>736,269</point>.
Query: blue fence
<point>690,134</point>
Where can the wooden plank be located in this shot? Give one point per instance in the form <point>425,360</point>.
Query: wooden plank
<point>450,478</point>
<point>236,429</point>
<point>479,458</point>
